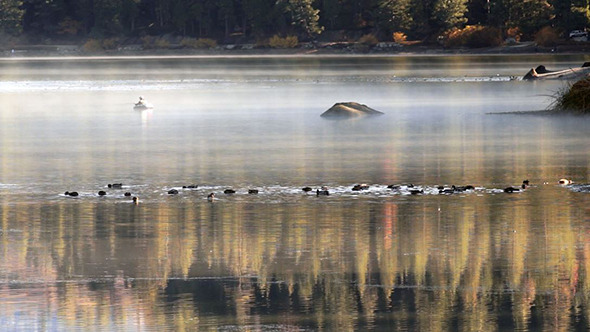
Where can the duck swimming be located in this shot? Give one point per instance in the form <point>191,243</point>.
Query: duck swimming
<point>359,187</point>
<point>210,197</point>
<point>135,200</point>
<point>565,181</point>
<point>443,190</point>
<point>511,190</point>
<point>322,192</point>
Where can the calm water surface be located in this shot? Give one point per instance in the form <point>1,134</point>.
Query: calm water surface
<point>378,259</point>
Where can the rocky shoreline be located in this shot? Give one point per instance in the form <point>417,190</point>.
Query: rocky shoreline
<point>337,48</point>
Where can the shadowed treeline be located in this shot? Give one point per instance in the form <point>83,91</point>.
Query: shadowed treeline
<point>492,262</point>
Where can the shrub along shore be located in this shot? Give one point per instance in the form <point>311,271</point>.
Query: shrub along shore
<point>574,99</point>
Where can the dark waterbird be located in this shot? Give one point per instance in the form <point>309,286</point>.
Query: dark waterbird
<point>71,193</point>
<point>252,191</point>
<point>322,192</point>
<point>102,193</point>
<point>460,189</point>
<point>523,186</point>
<point>359,187</point>
<point>443,190</point>
<point>511,190</point>
<point>229,191</point>
<point>115,185</point>
<point>172,192</point>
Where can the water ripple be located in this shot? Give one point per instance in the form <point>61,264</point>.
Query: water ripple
<point>184,84</point>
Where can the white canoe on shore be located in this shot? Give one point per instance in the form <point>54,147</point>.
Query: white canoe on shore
<point>542,73</point>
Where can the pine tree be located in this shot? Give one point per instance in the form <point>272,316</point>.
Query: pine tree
<point>11,17</point>
<point>305,16</point>
<point>571,14</point>
<point>449,13</point>
<point>42,17</point>
<point>331,11</point>
<point>529,15</point>
<point>395,14</point>
<point>107,17</point>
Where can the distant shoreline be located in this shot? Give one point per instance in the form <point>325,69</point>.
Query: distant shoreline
<point>383,49</point>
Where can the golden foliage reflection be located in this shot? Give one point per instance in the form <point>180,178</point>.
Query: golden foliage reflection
<point>437,263</point>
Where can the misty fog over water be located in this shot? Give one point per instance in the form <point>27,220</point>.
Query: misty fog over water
<point>377,259</point>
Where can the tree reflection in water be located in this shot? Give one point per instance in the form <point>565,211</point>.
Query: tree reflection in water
<point>487,262</point>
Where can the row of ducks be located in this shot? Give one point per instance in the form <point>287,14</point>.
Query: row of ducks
<point>323,191</point>
<point>101,193</point>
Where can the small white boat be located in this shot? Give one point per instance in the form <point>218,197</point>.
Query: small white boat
<point>142,104</point>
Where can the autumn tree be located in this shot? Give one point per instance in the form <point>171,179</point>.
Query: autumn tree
<point>259,19</point>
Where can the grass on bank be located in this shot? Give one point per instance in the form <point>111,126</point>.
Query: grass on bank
<point>574,99</point>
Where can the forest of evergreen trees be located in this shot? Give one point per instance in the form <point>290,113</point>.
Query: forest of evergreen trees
<point>250,20</point>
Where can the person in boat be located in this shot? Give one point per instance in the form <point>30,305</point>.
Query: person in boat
<point>141,101</point>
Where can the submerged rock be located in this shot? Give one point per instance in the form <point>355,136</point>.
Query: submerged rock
<point>349,110</point>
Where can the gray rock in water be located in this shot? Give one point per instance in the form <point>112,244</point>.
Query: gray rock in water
<point>349,110</point>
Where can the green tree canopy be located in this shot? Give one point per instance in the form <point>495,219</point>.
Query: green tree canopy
<point>305,17</point>
<point>259,19</point>
<point>449,13</point>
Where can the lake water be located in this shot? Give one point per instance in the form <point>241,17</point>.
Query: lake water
<point>284,260</point>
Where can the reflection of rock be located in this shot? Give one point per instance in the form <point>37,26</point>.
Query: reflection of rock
<point>349,110</point>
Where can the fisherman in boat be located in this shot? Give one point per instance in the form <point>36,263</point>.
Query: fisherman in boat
<point>141,102</point>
